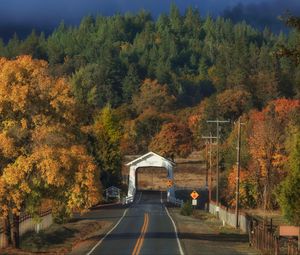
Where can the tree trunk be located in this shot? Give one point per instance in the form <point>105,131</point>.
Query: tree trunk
<point>7,230</point>
<point>15,232</point>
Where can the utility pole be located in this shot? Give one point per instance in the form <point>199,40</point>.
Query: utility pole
<point>206,165</point>
<point>218,169</point>
<point>238,163</point>
<point>209,140</point>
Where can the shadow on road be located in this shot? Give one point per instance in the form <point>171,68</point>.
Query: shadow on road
<point>234,238</point>
<point>171,235</point>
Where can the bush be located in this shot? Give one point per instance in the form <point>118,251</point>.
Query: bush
<point>187,209</point>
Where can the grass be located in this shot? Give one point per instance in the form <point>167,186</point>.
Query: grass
<point>57,236</point>
<point>276,216</point>
<point>212,221</point>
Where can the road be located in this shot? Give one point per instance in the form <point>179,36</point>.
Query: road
<point>145,229</point>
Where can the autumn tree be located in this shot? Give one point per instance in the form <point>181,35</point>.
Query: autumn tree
<point>139,132</point>
<point>233,103</point>
<point>264,87</point>
<point>42,150</point>
<point>289,190</point>
<point>248,194</point>
<point>153,95</point>
<point>266,146</point>
<point>228,152</point>
<point>174,139</point>
<point>107,131</point>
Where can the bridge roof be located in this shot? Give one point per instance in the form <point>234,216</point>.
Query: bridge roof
<point>147,156</point>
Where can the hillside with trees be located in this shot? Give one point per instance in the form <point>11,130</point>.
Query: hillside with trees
<point>84,96</point>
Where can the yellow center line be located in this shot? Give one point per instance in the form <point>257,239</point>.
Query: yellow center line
<point>140,241</point>
<point>143,235</point>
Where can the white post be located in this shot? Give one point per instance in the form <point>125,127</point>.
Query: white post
<point>37,228</point>
<point>131,185</point>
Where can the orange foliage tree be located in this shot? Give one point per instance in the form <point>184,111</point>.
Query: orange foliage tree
<point>232,103</point>
<point>42,154</point>
<point>139,132</point>
<point>267,146</point>
<point>247,190</point>
<point>174,139</point>
<point>153,95</point>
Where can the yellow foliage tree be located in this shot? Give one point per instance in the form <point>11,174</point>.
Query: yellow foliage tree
<point>42,152</point>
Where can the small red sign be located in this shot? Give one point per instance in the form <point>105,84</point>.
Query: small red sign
<point>289,231</point>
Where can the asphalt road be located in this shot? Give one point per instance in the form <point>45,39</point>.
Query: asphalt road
<point>144,228</point>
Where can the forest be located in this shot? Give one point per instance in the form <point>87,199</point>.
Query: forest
<point>74,102</point>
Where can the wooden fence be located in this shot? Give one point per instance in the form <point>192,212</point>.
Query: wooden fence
<point>264,237</point>
<point>293,248</point>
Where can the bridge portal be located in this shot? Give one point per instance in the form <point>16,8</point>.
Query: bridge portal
<point>150,159</point>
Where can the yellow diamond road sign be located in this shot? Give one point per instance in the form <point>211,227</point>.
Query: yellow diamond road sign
<point>169,183</point>
<point>194,195</point>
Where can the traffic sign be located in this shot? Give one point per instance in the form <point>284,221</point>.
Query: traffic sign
<point>169,183</point>
<point>194,195</point>
<point>194,202</point>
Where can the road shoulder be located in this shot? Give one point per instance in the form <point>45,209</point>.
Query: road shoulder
<point>203,234</point>
<point>77,237</point>
<point>110,217</point>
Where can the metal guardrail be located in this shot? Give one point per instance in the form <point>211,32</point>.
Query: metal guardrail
<point>175,201</point>
<point>128,200</point>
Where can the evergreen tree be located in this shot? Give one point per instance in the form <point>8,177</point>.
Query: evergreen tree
<point>131,83</point>
<point>13,46</point>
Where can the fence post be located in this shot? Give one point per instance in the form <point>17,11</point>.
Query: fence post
<point>277,248</point>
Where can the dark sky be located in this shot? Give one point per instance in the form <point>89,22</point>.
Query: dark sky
<point>22,15</point>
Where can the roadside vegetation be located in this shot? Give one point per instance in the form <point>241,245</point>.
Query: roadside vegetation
<point>187,208</point>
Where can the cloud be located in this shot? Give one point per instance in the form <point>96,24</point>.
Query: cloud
<point>21,16</point>
<point>263,14</point>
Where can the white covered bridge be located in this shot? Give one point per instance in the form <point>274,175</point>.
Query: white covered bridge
<point>151,159</point>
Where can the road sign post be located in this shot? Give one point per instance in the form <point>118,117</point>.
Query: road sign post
<point>194,195</point>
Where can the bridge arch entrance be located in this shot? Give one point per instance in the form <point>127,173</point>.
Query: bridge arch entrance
<point>150,159</point>
<point>150,178</point>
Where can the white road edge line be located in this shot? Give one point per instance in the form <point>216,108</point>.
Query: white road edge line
<point>176,232</point>
<point>97,244</point>
<point>161,201</point>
